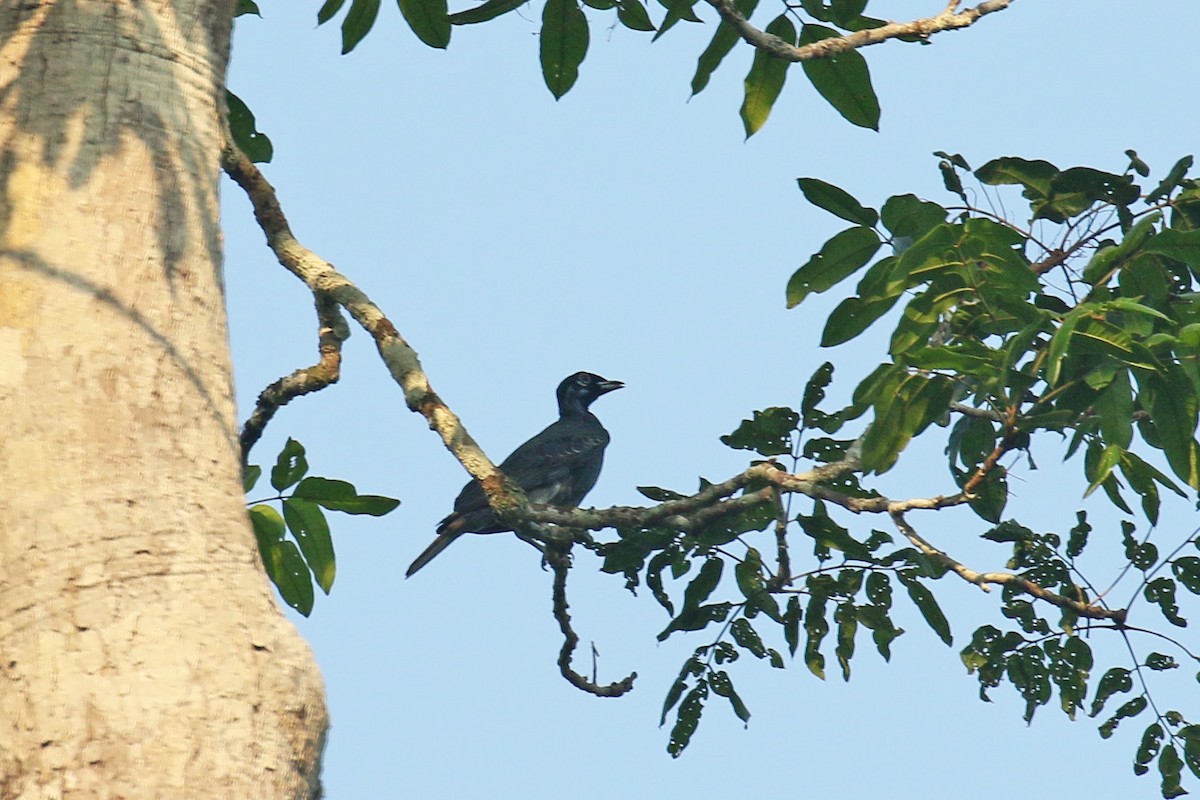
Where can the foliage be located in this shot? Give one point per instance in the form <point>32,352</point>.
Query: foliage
<point>1078,325</point>
<point>1081,322</point>
<point>293,564</point>
<point>564,37</point>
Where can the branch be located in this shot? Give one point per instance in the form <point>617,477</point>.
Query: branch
<point>772,45</point>
<point>558,557</point>
<point>983,579</point>
<point>330,335</point>
<point>401,360</point>
<point>978,413</point>
<point>694,511</point>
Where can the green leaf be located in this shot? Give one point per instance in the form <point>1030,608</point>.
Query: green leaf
<point>908,216</point>
<point>828,535</point>
<point>768,433</point>
<point>654,580</point>
<point>676,10</point>
<point>747,638</point>
<point>1078,538</point>
<point>910,404</point>
<point>1108,260</point>
<point>246,7</point>
<point>843,80</point>
<point>369,504</point>
<point>951,180</point>
<point>837,201</point>
<point>814,394</point>
<point>255,144</point>
<point>694,666</point>
<point>281,560</point>
<point>1170,768</point>
<point>290,466</point>
<point>486,11</point>
<point>307,523</point>
<point>250,475</point>
<point>765,79</point>
<point>847,621</point>
<point>1108,460</point>
<point>1130,709</point>
<point>723,686</point>
<point>1074,190</point>
<point>838,259</point>
<point>883,631</point>
<point>319,489</point>
<point>1162,592</point>
<point>564,43</point>
<point>721,44</point>
<point>853,316</point>
<point>1148,749</point>
<point>327,10</point>
<point>659,495</point>
<point>816,626</point>
<point>750,581</point>
<point>1171,181</point>
<point>429,20</point>
<point>1160,662</point>
<point>1035,176</point>
<point>695,619</point>
<point>1136,164</point>
<point>1187,572</point>
<point>704,583</point>
<point>358,23</point>
<point>688,719</point>
<point>844,12</point>
<point>1115,680</point>
<point>1115,409</point>
<point>1173,243</point>
<point>791,624</point>
<point>928,606</point>
<point>1172,403</point>
<point>633,15</point>
<point>817,10</point>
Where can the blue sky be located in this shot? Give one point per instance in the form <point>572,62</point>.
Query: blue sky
<point>624,230</point>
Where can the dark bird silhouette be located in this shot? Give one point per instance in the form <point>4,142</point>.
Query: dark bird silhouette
<point>558,467</point>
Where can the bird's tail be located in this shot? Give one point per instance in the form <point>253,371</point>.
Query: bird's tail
<point>449,530</point>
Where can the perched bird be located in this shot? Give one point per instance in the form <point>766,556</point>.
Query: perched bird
<point>557,467</point>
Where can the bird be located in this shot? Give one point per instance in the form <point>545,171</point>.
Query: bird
<point>557,467</point>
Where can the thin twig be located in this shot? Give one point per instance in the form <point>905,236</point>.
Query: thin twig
<point>559,559</point>
<point>772,45</point>
<point>983,579</point>
<point>331,333</point>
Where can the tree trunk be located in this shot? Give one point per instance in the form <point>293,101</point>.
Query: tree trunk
<point>141,650</point>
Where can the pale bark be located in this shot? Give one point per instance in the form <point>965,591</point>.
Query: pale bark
<point>141,651</point>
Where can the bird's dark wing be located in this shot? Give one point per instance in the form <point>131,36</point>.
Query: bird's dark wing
<point>568,448</point>
<point>558,466</point>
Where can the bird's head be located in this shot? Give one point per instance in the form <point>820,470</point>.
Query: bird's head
<point>578,391</point>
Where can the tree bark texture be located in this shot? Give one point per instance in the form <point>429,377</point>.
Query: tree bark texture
<point>141,651</point>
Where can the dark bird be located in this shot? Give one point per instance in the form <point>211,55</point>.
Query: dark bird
<point>558,467</point>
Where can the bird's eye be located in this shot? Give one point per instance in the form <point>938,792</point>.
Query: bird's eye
<point>583,380</point>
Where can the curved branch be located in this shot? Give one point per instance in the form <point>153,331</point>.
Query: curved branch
<point>983,579</point>
<point>401,360</point>
<point>558,558</point>
<point>772,45</point>
<point>306,380</point>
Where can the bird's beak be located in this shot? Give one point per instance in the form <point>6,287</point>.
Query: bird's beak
<point>608,386</point>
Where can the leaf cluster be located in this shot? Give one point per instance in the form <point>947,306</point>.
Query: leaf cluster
<point>294,563</point>
<point>1078,320</point>
<point>842,80</point>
